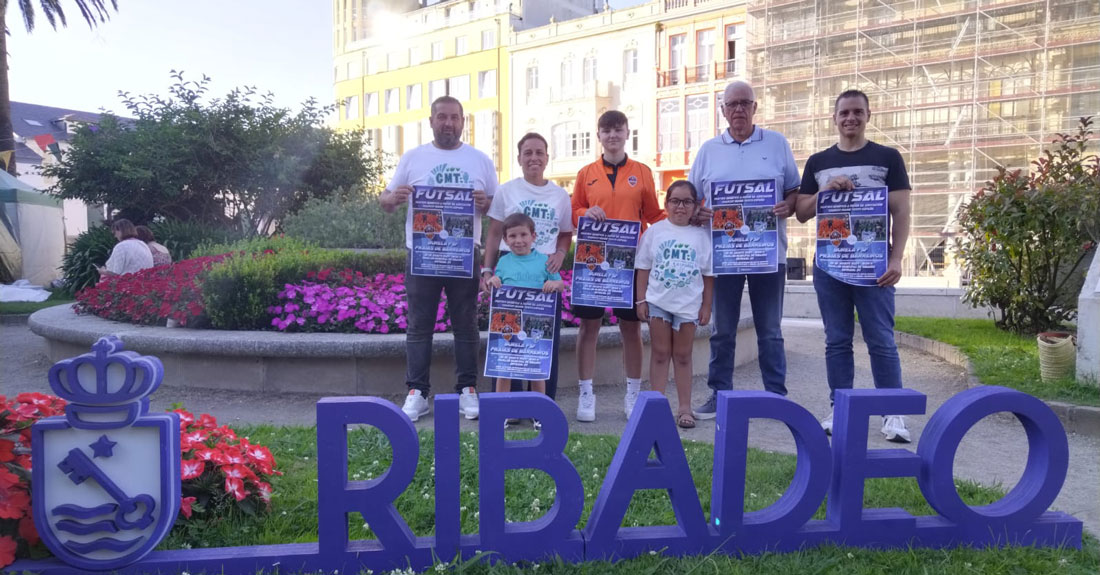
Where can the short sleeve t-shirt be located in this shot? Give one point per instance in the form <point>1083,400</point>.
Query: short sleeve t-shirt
<point>129,256</point>
<point>765,155</point>
<point>548,205</point>
<point>426,165</point>
<point>527,271</point>
<point>678,257</point>
<point>871,166</point>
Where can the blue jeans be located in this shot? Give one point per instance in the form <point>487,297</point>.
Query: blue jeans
<point>423,294</point>
<point>838,302</point>
<point>766,299</point>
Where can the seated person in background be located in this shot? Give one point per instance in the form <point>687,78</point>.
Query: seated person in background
<point>129,255</point>
<point>161,256</point>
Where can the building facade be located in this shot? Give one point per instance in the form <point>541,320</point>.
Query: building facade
<point>958,86</point>
<point>393,58</point>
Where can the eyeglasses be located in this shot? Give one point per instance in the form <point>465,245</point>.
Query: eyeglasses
<point>677,202</point>
<point>743,104</point>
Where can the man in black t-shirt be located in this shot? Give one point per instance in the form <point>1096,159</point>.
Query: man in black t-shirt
<point>856,162</point>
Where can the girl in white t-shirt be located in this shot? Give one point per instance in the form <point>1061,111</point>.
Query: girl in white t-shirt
<point>674,292</point>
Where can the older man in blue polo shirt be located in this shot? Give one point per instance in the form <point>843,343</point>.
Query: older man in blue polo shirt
<point>747,152</point>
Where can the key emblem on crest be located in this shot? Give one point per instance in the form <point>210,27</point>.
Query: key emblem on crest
<point>107,473</point>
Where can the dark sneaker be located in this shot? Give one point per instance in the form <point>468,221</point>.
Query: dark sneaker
<point>708,410</point>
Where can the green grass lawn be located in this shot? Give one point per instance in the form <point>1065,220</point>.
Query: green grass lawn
<point>530,493</point>
<point>999,357</point>
<point>24,307</point>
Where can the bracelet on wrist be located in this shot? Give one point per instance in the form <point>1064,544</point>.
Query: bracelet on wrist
<point>486,271</point>
<point>639,301</point>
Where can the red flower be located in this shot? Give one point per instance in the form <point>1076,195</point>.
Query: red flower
<point>233,455</point>
<point>185,506</point>
<point>207,421</point>
<point>7,550</point>
<point>27,530</point>
<point>7,450</point>
<point>239,472</point>
<point>14,502</point>
<point>192,439</point>
<point>210,455</point>
<point>235,487</point>
<point>192,468</point>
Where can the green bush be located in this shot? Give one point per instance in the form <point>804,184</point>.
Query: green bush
<point>90,249</point>
<point>1025,237</point>
<point>181,238</point>
<point>253,245</point>
<point>238,291</point>
<point>339,222</point>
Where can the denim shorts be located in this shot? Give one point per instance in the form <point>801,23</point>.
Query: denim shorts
<point>676,320</point>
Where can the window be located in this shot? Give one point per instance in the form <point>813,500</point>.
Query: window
<point>698,121</point>
<point>414,56</point>
<point>704,54</point>
<point>351,107</point>
<point>436,88</point>
<point>669,125</point>
<point>370,104</point>
<point>459,87</point>
<point>393,61</point>
<point>488,39</point>
<point>532,83</point>
<point>410,136</point>
<point>630,63</point>
<point>348,72</point>
<point>412,97</point>
<point>571,141</point>
<point>676,58</point>
<point>393,103</point>
<point>634,142</point>
<point>589,71</point>
<point>487,84</point>
<point>719,120</point>
<point>437,51</point>
<point>567,73</point>
<point>460,46</point>
<point>485,132</point>
<point>370,68</point>
<point>731,50</point>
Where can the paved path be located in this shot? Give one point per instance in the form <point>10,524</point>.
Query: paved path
<point>993,452</point>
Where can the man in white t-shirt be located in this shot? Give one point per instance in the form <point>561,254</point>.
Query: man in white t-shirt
<point>549,206</point>
<point>446,161</point>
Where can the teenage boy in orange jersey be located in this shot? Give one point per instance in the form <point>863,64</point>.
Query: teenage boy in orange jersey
<point>613,187</point>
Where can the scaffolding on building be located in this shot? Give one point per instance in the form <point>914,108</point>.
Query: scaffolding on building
<point>959,87</point>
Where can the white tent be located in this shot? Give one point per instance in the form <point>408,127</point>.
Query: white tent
<point>32,232</point>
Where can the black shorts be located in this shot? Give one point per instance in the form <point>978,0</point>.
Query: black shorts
<point>589,312</point>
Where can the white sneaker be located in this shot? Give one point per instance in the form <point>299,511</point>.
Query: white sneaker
<point>827,424</point>
<point>586,407</point>
<point>415,405</point>
<point>629,400</point>
<point>468,403</point>
<point>893,427</point>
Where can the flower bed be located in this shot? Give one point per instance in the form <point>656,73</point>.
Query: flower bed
<point>153,295</point>
<point>347,301</point>
<point>222,474</point>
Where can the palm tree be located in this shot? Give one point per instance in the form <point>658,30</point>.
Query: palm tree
<point>93,11</point>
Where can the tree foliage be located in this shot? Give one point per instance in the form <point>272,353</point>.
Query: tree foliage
<point>238,159</point>
<point>1026,236</point>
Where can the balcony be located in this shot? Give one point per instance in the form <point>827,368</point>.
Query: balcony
<point>696,74</point>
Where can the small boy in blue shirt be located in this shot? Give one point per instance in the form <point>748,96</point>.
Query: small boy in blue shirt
<point>523,267</point>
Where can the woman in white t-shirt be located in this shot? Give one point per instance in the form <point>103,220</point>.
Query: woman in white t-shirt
<point>548,205</point>
<point>674,292</point>
<point>129,255</point>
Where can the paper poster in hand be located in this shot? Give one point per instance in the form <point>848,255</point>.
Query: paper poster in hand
<point>852,234</point>
<point>521,333</point>
<point>744,229</point>
<point>603,264</point>
<point>443,231</point>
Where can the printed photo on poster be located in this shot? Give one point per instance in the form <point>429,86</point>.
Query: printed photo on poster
<point>603,264</point>
<point>521,333</point>
<point>853,234</point>
<point>744,229</point>
<point>443,231</point>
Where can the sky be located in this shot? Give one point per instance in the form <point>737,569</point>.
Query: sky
<point>281,46</point>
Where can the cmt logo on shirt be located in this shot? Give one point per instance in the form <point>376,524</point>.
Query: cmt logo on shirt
<point>525,295</point>
<point>674,250</point>
<point>538,210</point>
<point>443,175</point>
